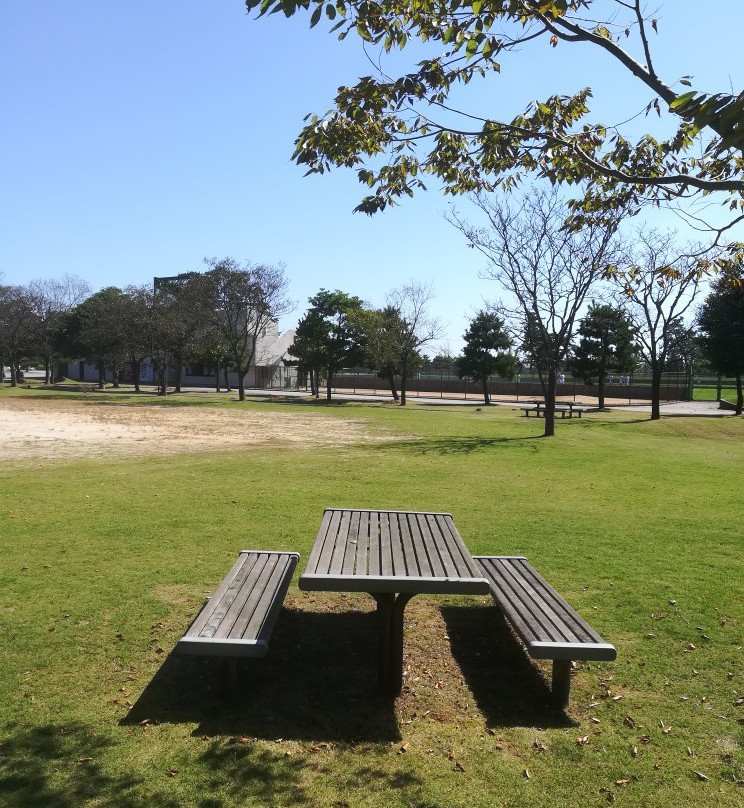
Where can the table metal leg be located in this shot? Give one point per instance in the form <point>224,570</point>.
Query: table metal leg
<point>385,607</point>
<point>390,610</point>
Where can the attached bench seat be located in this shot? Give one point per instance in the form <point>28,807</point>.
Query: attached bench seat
<point>237,621</point>
<point>545,623</point>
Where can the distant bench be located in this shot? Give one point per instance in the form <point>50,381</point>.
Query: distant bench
<point>238,620</point>
<point>545,623</point>
<point>566,409</point>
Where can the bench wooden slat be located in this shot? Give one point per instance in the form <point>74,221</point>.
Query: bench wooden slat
<point>422,562</point>
<point>433,537</point>
<point>220,602</point>
<point>326,531</point>
<point>223,619</point>
<point>463,562</point>
<point>546,624</point>
<point>250,607</point>
<point>337,557</point>
<point>362,548</point>
<point>374,544</point>
<point>351,547</point>
<point>239,618</point>
<point>386,550</point>
<point>549,627</point>
<point>525,600</point>
<point>399,562</point>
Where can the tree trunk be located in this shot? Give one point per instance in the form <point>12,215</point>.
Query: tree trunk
<point>549,391</point>
<point>391,382</point>
<point>101,375</point>
<point>162,381</point>
<point>13,367</point>
<point>601,391</point>
<point>217,386</point>
<point>179,373</point>
<point>241,384</point>
<point>655,392</point>
<point>47,370</point>
<point>486,396</point>
<point>135,363</point>
<point>115,377</point>
<point>227,380</point>
<point>329,382</point>
<point>403,383</point>
<point>739,395</point>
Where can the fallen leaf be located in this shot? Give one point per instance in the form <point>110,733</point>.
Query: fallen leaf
<point>629,722</point>
<point>244,740</point>
<point>459,767</point>
<point>583,741</point>
<point>622,783</point>
<point>701,776</point>
<point>634,751</point>
<point>490,731</point>
<point>85,759</point>
<point>451,754</point>
<point>594,720</point>
<point>172,772</point>
<point>527,774</point>
<point>403,748</point>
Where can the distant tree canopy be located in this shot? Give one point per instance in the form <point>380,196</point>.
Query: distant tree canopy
<point>396,130</point>
<point>721,323</point>
<point>327,337</point>
<point>486,352</point>
<point>606,344</point>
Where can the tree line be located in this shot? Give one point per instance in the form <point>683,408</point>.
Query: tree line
<point>215,318</point>
<point>586,301</point>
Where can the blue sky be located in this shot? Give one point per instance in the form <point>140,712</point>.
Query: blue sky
<point>139,137</point>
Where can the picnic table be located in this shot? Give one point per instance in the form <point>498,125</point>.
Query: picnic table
<point>391,555</point>
<point>564,408</point>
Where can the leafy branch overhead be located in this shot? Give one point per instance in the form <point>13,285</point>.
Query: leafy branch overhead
<point>397,130</point>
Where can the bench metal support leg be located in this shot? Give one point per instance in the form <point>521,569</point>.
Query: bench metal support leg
<point>390,610</point>
<point>229,675</point>
<point>561,681</point>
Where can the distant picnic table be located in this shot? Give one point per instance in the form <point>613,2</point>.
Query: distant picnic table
<point>565,408</point>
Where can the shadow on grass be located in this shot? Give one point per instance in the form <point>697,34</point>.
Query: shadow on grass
<point>318,682</point>
<point>508,689</point>
<point>456,445</point>
<point>64,766</point>
<point>61,766</point>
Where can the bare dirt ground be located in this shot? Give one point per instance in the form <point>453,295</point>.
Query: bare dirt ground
<point>54,428</point>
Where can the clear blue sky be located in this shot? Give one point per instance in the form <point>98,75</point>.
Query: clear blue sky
<point>139,137</point>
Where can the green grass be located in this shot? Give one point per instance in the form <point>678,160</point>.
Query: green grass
<point>635,522</point>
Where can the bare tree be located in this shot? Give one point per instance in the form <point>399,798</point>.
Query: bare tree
<point>412,327</point>
<point>19,327</point>
<point>53,298</point>
<point>546,268</point>
<point>246,298</point>
<point>657,288</point>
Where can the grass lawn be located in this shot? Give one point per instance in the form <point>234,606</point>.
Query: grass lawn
<point>105,562</point>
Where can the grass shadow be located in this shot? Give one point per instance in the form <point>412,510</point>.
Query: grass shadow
<point>508,689</point>
<point>456,445</point>
<point>318,682</point>
<point>58,766</point>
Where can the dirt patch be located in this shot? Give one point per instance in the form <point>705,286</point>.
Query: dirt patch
<point>53,428</point>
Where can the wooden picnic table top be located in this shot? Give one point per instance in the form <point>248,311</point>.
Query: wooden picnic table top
<point>373,551</point>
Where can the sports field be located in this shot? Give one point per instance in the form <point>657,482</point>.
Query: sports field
<point>120,514</point>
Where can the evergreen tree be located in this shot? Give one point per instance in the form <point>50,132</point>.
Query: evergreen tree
<point>606,345</point>
<point>486,351</point>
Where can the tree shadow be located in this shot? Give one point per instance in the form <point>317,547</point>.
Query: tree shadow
<point>318,682</point>
<point>457,445</point>
<point>61,766</point>
<point>507,687</point>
